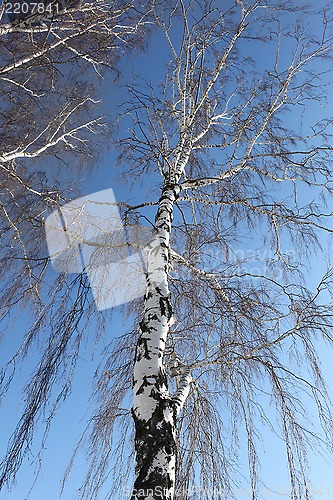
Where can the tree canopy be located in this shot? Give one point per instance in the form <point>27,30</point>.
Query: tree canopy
<point>225,341</point>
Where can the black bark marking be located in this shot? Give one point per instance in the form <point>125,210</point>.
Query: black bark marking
<point>155,437</point>
<point>166,308</point>
<point>144,384</point>
<point>142,350</point>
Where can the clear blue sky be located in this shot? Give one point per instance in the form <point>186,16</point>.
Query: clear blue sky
<point>71,417</point>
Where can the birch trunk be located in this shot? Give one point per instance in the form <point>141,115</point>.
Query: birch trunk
<point>155,411</point>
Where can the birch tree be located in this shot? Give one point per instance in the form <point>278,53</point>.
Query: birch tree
<point>53,58</point>
<point>215,332</point>
<point>223,332</point>
<point>52,61</point>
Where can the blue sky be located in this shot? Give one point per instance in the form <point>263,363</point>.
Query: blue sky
<point>72,415</point>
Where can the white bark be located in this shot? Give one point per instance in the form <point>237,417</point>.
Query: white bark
<point>155,411</point>
<point>183,389</point>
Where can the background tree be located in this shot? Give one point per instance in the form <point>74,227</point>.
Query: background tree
<point>51,67</point>
<point>51,64</point>
<point>227,137</point>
